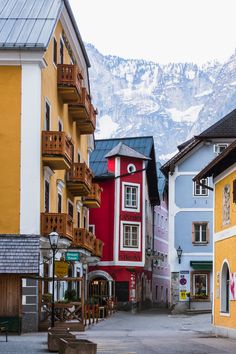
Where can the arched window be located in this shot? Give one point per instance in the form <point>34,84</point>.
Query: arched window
<point>225,288</point>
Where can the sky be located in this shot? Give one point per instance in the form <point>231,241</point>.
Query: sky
<point>162,31</point>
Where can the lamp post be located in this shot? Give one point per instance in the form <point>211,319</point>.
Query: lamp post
<point>179,253</point>
<point>53,239</point>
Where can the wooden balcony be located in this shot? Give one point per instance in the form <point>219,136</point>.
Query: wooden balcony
<point>59,222</point>
<point>69,82</point>
<point>98,248</point>
<point>93,200</point>
<point>84,114</point>
<point>57,150</point>
<point>84,239</point>
<point>79,179</point>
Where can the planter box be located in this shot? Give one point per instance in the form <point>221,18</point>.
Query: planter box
<point>55,335</point>
<point>77,346</point>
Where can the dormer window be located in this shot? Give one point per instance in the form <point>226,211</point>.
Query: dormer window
<point>218,148</point>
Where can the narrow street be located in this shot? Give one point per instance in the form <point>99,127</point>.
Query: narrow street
<point>149,332</point>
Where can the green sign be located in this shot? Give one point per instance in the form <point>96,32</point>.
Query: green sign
<point>72,256</point>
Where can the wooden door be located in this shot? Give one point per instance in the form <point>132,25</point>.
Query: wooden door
<point>10,295</point>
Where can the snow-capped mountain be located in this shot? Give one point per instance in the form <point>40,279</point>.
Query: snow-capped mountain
<point>171,102</point>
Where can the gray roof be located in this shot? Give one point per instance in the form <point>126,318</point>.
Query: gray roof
<point>19,254</point>
<point>29,24</point>
<point>123,150</point>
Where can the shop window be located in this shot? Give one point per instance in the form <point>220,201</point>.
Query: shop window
<point>200,232</point>
<point>200,284</point>
<point>225,288</point>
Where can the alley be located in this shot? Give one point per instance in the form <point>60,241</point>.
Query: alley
<point>149,332</point>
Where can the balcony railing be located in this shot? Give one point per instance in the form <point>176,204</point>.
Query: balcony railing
<point>57,150</point>
<point>93,200</point>
<point>79,179</point>
<point>69,81</point>
<point>84,239</point>
<point>84,114</point>
<point>59,222</point>
<point>98,248</point>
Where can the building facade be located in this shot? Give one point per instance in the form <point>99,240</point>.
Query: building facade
<point>125,170</point>
<point>223,170</point>
<point>161,268</point>
<point>47,126</point>
<point>191,216</point>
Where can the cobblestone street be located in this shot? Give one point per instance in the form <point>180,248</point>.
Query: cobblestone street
<point>147,332</point>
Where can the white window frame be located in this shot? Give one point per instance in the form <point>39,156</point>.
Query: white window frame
<point>201,188</point>
<point>124,207</point>
<point>199,273</point>
<point>200,232</point>
<point>133,249</point>
<point>131,168</point>
<point>216,147</point>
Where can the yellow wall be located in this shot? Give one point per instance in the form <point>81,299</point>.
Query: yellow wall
<point>219,203</point>
<point>224,250</point>
<point>10,109</point>
<point>58,109</point>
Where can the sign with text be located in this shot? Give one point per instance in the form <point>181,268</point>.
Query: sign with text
<point>72,256</point>
<point>184,284</point>
<point>61,268</point>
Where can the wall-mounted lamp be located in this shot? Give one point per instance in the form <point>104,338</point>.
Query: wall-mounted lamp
<point>179,253</point>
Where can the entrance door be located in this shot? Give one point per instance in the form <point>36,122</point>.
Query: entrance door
<point>10,295</point>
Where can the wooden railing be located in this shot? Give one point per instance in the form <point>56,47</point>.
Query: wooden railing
<point>98,248</point>
<point>69,75</point>
<point>84,239</point>
<point>85,100</point>
<point>80,172</point>
<point>57,144</point>
<point>95,195</point>
<point>59,222</point>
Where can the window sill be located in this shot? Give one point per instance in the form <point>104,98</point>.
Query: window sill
<point>200,243</point>
<point>225,314</point>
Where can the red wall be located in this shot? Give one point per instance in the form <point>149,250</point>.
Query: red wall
<point>103,219</point>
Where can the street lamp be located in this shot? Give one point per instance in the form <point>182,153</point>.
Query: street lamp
<point>179,253</point>
<point>53,239</point>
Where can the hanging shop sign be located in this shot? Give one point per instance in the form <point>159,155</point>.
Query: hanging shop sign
<point>61,269</point>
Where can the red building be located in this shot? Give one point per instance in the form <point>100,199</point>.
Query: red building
<point>126,171</point>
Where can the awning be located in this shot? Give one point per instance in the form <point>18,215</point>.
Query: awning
<point>201,265</point>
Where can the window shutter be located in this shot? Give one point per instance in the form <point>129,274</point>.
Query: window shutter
<point>234,191</point>
<point>193,233</point>
<point>208,233</point>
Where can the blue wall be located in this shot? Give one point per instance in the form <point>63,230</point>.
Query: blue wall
<point>198,159</point>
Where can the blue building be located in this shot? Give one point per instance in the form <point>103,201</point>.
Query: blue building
<point>191,215</point>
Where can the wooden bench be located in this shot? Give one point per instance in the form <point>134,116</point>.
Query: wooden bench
<point>4,328</point>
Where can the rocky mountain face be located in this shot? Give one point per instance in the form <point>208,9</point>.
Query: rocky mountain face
<point>171,102</point>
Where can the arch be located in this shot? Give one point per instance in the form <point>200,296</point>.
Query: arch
<point>99,273</point>
<point>224,287</point>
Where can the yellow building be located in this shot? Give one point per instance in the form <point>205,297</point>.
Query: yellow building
<point>223,170</point>
<point>46,136</point>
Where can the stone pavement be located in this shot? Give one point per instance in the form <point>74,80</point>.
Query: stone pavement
<point>147,332</point>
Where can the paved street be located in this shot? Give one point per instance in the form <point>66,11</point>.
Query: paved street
<point>149,332</point>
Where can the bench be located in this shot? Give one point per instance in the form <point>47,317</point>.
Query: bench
<point>4,328</point>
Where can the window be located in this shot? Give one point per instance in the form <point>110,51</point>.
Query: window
<point>46,196</point>
<point>61,51</point>
<point>78,219</point>
<point>200,232</point>
<point>200,285</point>
<point>234,191</point>
<point>54,51</point>
<point>60,126</point>
<point>59,203</point>
<point>131,198</point>
<point>131,168</point>
<point>47,116</point>
<point>226,204</point>
<point>70,209</point>
<point>200,189</point>
<point>92,229</point>
<point>130,236</point>
<point>218,148</point>
<point>225,288</point>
